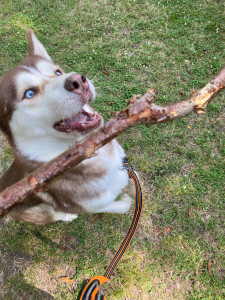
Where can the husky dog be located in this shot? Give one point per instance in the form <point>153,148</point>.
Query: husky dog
<point>43,111</point>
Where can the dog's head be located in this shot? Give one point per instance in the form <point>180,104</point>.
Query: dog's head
<point>38,100</point>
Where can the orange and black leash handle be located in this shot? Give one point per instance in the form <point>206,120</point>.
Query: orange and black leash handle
<point>92,290</point>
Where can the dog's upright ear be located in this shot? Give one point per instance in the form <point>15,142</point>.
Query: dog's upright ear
<point>35,46</point>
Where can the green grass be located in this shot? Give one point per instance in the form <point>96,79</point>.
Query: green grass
<point>126,47</point>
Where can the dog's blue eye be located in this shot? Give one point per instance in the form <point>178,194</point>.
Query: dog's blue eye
<point>29,94</point>
<point>58,73</point>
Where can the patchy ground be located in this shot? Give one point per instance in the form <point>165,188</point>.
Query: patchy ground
<point>128,46</point>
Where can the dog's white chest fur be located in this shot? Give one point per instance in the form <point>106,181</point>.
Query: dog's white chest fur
<point>112,183</point>
<point>94,184</point>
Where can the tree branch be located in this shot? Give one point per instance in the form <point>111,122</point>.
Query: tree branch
<point>139,111</point>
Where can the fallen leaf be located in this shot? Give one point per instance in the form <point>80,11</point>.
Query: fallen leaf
<point>105,72</point>
<point>168,229</point>
<point>67,279</point>
<point>65,238</point>
<point>185,245</point>
<point>209,267</point>
<point>63,248</point>
<point>189,212</point>
<point>96,217</point>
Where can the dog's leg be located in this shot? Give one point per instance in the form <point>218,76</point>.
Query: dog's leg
<point>106,203</point>
<point>40,214</point>
<point>66,217</point>
<point>123,205</point>
<point>118,207</point>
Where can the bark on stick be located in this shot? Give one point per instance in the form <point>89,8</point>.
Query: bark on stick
<point>139,111</point>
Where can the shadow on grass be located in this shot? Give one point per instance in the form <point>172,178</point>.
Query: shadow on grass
<point>13,262</point>
<point>12,282</point>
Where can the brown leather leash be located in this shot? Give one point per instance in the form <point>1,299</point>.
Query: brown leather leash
<point>92,290</point>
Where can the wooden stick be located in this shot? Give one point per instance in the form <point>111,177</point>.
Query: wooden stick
<point>139,111</point>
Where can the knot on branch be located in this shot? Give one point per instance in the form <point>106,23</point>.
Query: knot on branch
<point>199,110</point>
<point>33,182</point>
<point>138,104</point>
<point>122,114</point>
<point>133,99</point>
<point>151,95</point>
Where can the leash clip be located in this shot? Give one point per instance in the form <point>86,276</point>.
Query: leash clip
<point>127,165</point>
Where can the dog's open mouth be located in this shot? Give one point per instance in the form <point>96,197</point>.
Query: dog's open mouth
<point>83,121</point>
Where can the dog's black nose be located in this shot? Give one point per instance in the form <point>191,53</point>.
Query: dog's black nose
<point>77,83</point>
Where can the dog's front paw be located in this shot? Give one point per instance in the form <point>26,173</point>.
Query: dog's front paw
<point>68,217</point>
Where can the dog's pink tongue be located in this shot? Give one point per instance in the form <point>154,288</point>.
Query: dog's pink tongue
<point>79,118</point>
<point>84,121</point>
